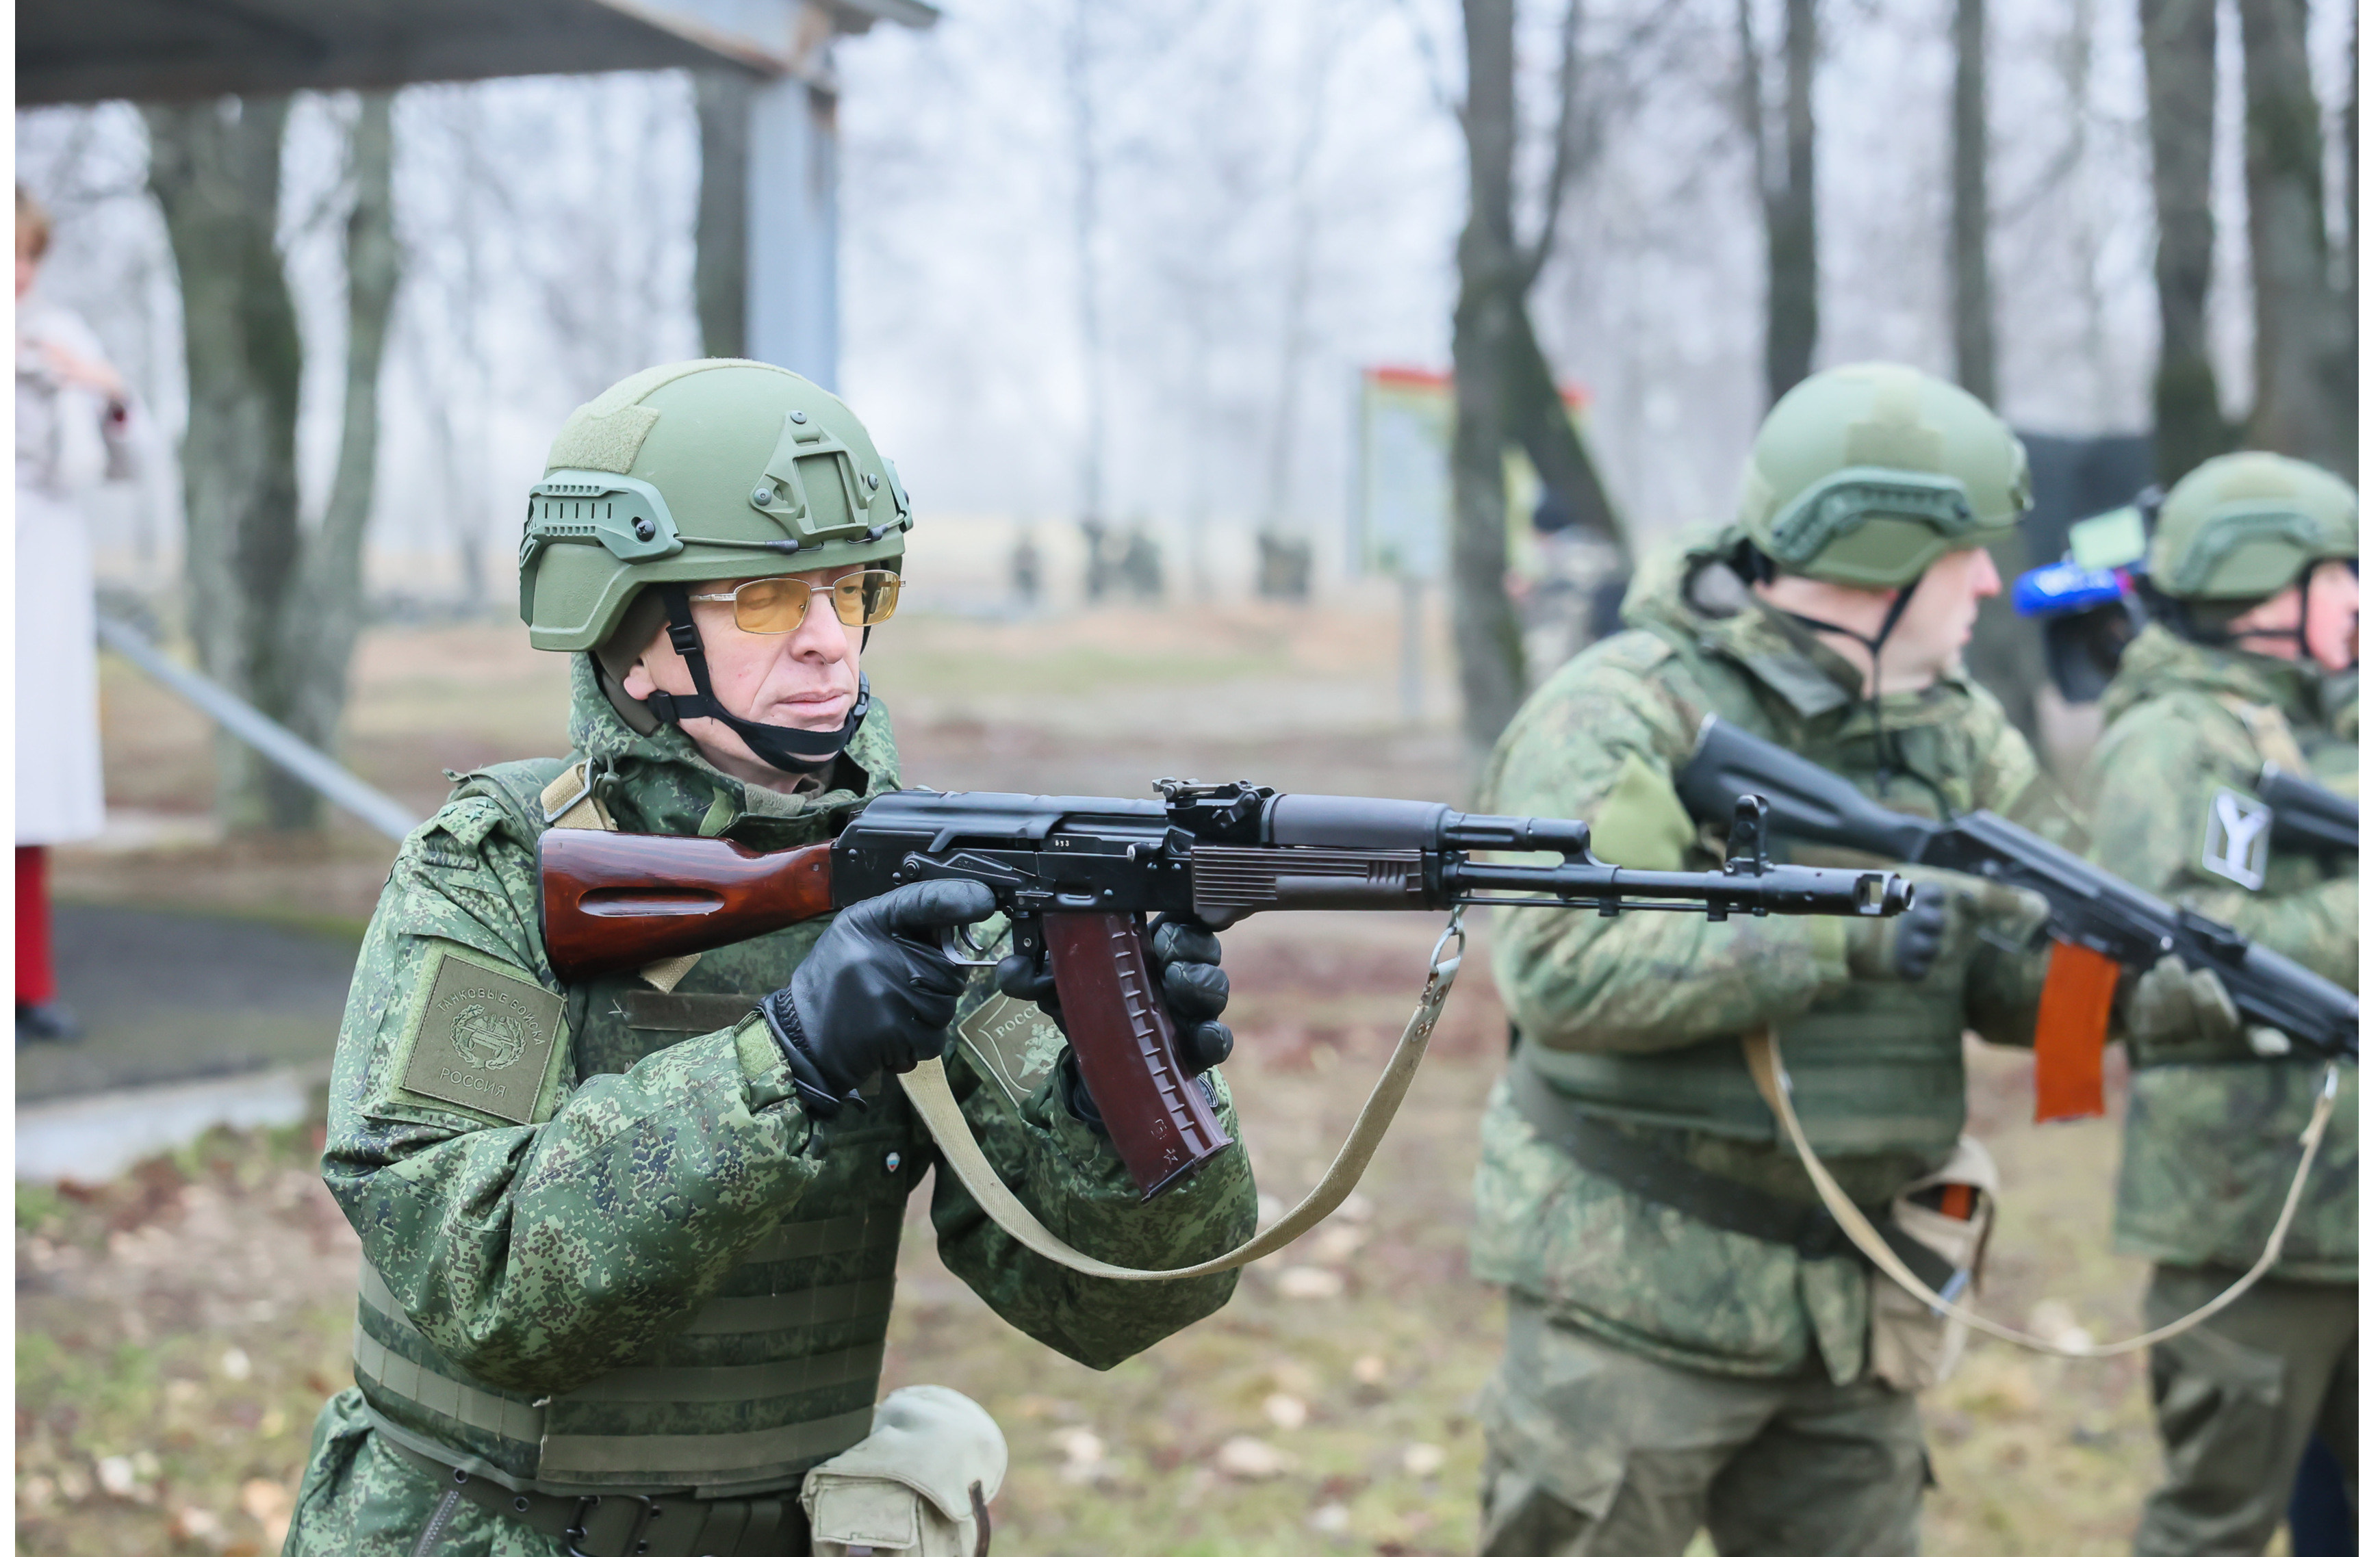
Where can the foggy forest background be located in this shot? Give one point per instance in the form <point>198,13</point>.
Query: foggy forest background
<point>1268,198</point>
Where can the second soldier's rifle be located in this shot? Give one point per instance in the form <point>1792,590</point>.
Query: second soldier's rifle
<point>1076,876</point>
<point>2088,907</point>
<point>2305,815</point>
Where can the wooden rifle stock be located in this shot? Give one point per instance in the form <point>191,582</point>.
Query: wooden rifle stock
<point>616,900</point>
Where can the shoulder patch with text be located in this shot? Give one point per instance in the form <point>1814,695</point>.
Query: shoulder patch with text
<point>2239,838</point>
<point>484,1039</point>
<point>1013,1044</point>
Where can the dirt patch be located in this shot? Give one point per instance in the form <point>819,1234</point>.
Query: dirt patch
<point>177,1330</point>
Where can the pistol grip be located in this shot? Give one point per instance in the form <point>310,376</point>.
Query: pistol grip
<point>1159,1119</point>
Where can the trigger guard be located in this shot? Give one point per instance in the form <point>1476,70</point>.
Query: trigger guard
<point>957,944</point>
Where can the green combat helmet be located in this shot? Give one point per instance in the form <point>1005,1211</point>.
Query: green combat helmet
<point>2243,527</point>
<point>1864,475</point>
<point>690,471</point>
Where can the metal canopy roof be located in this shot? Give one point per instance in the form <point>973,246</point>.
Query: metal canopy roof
<point>82,51</point>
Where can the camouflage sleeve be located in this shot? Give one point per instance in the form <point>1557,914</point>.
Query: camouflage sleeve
<point>2155,786</point>
<point>1074,1181</point>
<point>1601,744</point>
<point>2010,782</point>
<point>538,1236</point>
<point>2316,926</point>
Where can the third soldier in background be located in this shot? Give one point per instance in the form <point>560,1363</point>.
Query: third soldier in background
<point>2254,558</point>
<point>1690,1340</point>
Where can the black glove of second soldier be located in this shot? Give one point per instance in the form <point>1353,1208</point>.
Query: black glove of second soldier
<point>1187,961</point>
<point>876,992</point>
<point>1905,946</point>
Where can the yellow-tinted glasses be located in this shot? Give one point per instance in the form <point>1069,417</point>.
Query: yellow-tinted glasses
<point>778,605</point>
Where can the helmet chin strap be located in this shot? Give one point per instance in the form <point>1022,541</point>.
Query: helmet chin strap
<point>2226,638</point>
<point>1874,647</point>
<point>789,750</point>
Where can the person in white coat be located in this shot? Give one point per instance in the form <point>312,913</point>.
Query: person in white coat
<point>74,430</point>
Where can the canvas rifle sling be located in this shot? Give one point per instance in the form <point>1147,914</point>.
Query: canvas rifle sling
<point>929,1094</point>
<point>1767,1060</point>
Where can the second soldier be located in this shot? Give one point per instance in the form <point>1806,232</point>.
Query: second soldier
<point>1688,1340</point>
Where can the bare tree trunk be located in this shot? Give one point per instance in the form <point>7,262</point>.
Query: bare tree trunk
<point>1787,176</point>
<point>2305,341</point>
<point>319,621</point>
<point>1970,220</point>
<point>2352,311</point>
<point>274,610</point>
<point>215,168</point>
<point>2006,652</point>
<point>1081,121</point>
<point>2177,48</point>
<point>1296,306</point>
<point>1793,215</point>
<point>1489,660</point>
<point>723,108</point>
<point>1542,426</point>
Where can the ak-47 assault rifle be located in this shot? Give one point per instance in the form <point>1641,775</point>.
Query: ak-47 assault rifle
<point>2088,907</point>
<point>1075,876</point>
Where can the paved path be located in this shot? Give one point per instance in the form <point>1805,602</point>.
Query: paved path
<point>190,1019</point>
<point>170,997</point>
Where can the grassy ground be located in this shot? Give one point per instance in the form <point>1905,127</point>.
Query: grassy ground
<point>178,1329</point>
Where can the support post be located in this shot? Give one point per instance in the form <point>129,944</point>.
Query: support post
<point>790,298</point>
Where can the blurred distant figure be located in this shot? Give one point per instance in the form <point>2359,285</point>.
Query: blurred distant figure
<point>1142,566</point>
<point>73,431</point>
<point>1575,599</point>
<point>1098,568</point>
<point>1025,570</point>
<point>1284,566</point>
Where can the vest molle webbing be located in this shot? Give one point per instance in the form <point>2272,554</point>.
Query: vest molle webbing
<point>774,1373</point>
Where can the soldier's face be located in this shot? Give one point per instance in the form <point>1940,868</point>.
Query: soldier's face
<point>2328,609</point>
<point>1933,632</point>
<point>1929,637</point>
<point>806,680</point>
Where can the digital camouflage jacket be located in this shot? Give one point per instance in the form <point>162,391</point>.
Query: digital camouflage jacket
<point>1637,1019</point>
<point>2210,1139</point>
<point>530,1243</point>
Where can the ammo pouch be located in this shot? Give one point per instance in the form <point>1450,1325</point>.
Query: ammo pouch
<point>1948,1211</point>
<point>918,1484</point>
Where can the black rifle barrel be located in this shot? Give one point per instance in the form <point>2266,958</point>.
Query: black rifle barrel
<point>2305,815</point>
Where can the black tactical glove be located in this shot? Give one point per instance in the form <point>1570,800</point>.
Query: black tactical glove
<point>874,993</point>
<point>1187,961</point>
<point>1905,946</point>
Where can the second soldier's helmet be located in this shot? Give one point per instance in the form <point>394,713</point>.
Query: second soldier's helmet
<point>710,469</point>
<point>1864,475</point>
<point>2243,527</point>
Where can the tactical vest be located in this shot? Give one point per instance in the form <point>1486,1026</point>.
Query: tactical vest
<point>776,1372</point>
<point>1877,1067</point>
<point>2295,744</point>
